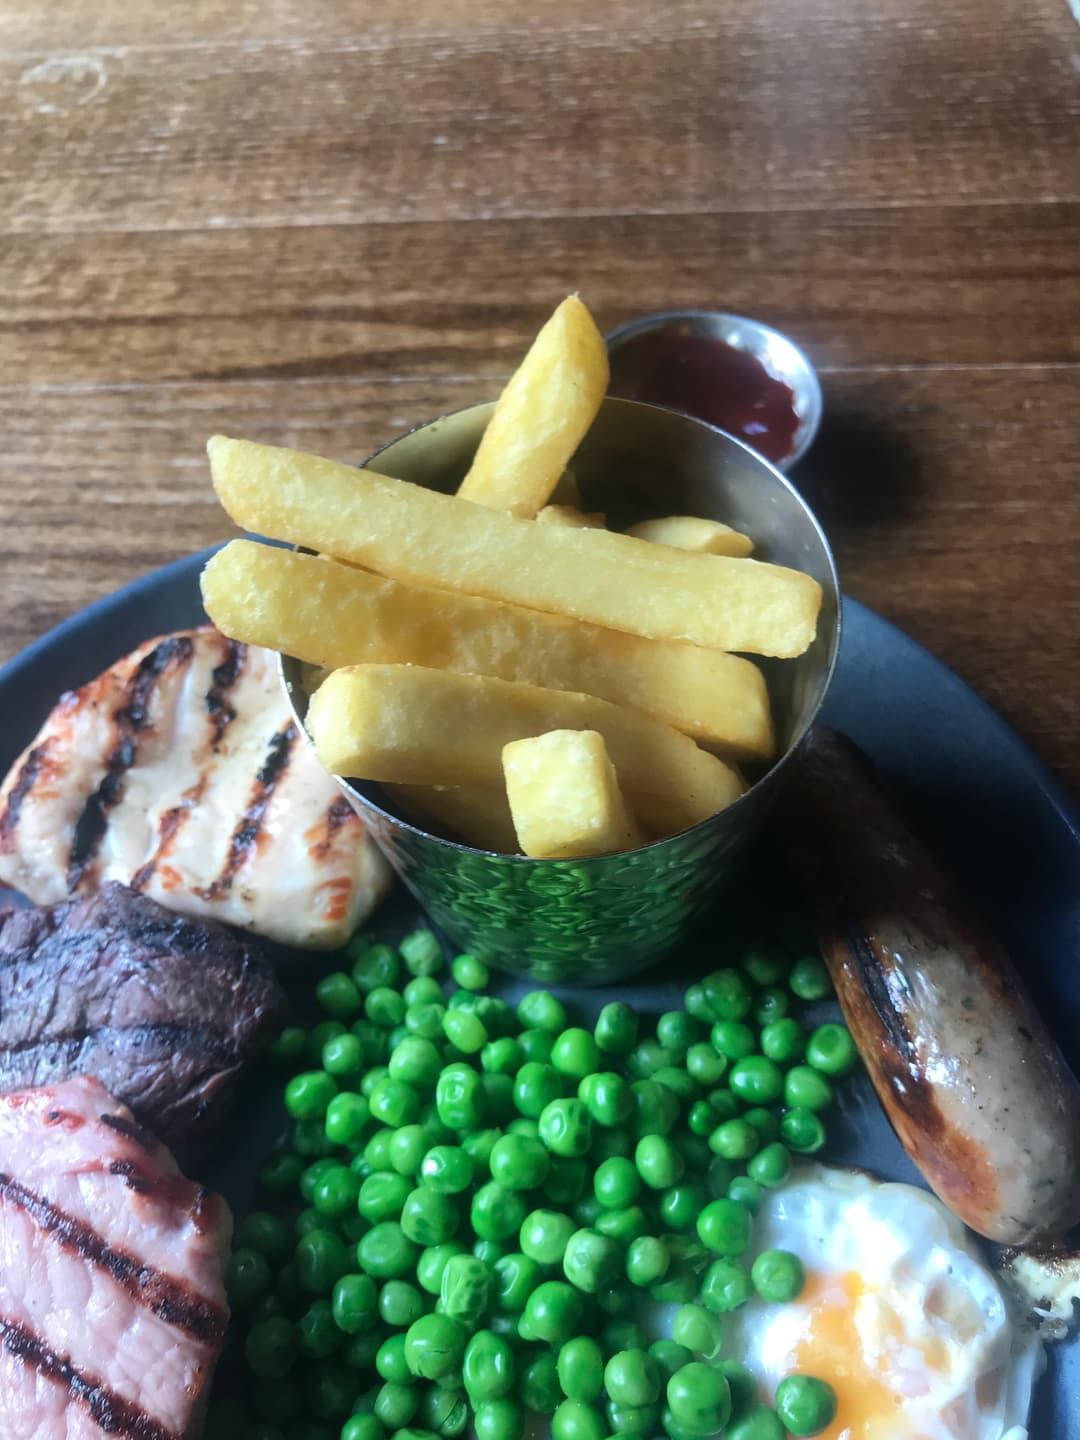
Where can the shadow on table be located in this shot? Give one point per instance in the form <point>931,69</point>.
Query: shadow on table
<point>860,472</point>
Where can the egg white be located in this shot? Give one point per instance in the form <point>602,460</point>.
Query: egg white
<point>899,1313</point>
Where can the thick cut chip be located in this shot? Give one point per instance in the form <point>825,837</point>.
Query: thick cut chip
<point>694,532</point>
<point>542,416</point>
<point>571,518</point>
<point>331,615</point>
<point>419,535</point>
<point>405,724</point>
<point>564,796</point>
<point>479,817</point>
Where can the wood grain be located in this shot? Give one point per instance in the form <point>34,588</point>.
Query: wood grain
<point>318,223</point>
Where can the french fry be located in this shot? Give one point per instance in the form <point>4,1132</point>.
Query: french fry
<point>330,615</point>
<point>571,518</point>
<point>693,532</point>
<point>564,796</point>
<point>405,724</point>
<point>541,416</point>
<point>479,817</point>
<point>421,536</point>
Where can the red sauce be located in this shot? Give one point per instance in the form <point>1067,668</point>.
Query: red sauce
<point>712,381</point>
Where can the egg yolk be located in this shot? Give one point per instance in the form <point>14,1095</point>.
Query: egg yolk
<point>867,1408</point>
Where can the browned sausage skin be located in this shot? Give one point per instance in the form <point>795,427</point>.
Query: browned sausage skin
<point>975,1087</point>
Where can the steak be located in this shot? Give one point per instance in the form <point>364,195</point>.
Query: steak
<point>162,1010</point>
<point>112,1302</point>
<point>179,771</point>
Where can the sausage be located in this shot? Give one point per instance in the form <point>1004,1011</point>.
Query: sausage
<point>976,1089</point>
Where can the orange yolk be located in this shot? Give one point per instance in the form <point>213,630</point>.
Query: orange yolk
<point>866,1408</point>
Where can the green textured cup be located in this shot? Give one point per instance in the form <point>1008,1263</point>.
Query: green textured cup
<point>593,921</point>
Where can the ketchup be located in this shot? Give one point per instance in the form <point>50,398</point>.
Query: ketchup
<point>712,381</point>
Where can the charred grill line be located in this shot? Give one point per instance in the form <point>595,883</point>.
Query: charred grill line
<point>27,779</point>
<point>129,720</point>
<point>112,1414</point>
<point>221,713</point>
<point>246,834</point>
<point>339,814</point>
<point>172,1300</point>
<point>169,826</point>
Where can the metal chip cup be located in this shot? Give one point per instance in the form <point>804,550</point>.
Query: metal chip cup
<point>597,920</point>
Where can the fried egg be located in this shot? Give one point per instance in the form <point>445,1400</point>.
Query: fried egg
<point>899,1314</point>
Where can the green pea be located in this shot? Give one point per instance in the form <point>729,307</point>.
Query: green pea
<point>698,1330</point>
<point>425,1020</point>
<point>623,1225</point>
<point>766,1122</point>
<point>462,1282</point>
<point>783,1041</point>
<point>580,1368</point>
<point>458,1097</point>
<point>395,1405</point>
<point>807,1089</point>
<point>271,1347</point>
<point>701,1119</point>
<point>281,1173</point>
<point>434,1346</point>
<point>407,1149</point>
<point>422,953</point>
<point>307,1095</point>
<point>647,1260</point>
<point>831,1050</point>
<point>678,1286</point>
<point>290,1045</point>
<point>566,1127</point>
<point>656,1108</point>
<point>536,1045</point>
<point>669,1357</point>
<point>422,990</point>
<point>673,1078</point>
<point>308,1138</point>
<point>536,1086</point>
<point>553,1311</point>
<point>809,979</point>
<point>445,1411</point>
<point>429,1217</point>
<point>591,1261</point>
<point>632,1377</point>
<point>756,1423</point>
<point>616,1183</point>
<point>498,1420</point>
<point>519,1163</point>
<point>347,1118</point>
<point>725,1286</point>
<point>338,996</point>
<point>390,1361</point>
<point>732,1039</point>
<point>778,1276</point>
<point>728,994</point>
<point>705,1064</point>
<point>321,1259</point>
<point>478,1145</point>
<point>746,1191</point>
<point>567,1180</point>
<point>496,1213</point>
<point>724,1105</point>
<point>363,1427</point>
<point>386,1252</point>
<point>699,1399</point>
<point>540,1010</point>
<point>539,1388</point>
<point>394,1103</point>
<point>360,1351</point>
<point>335,1191</point>
<point>802,1131</point>
<point>263,1232</point>
<point>247,1279</point>
<point>575,1053</point>
<point>756,1080</point>
<point>502,1057</point>
<point>741,1383</point>
<point>771,1166</point>
<point>805,1405</point>
<point>465,1031</point>
<point>382,1196</point>
<point>616,1029</point>
<point>343,1054</point>
<point>415,1061</point>
<point>718,1177</point>
<point>574,1420</point>
<point>446,1169</point>
<point>516,1277</point>
<point>384,1007</point>
<point>681,1205</point>
<point>545,1235</point>
<point>647,1057</point>
<point>771,1005</point>
<point>488,1367</point>
<point>734,1140</point>
<point>724,1226</point>
<point>470,973</point>
<point>658,1162</point>
<point>764,964</point>
<point>354,1303</point>
<point>607,1097</point>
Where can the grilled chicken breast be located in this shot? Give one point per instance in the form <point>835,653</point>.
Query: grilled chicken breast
<point>180,773</point>
<point>112,1302</point>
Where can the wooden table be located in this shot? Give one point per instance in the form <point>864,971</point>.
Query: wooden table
<point>316,222</point>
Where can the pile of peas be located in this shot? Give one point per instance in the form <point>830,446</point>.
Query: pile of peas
<point>489,1194</point>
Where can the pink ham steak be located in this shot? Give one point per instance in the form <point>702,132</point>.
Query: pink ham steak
<point>112,1304</point>
<point>180,773</point>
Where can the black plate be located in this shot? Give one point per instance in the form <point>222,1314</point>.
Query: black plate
<point>992,810</point>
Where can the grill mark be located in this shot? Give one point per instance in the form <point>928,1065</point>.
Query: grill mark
<point>24,783</point>
<point>170,1299</point>
<point>339,814</point>
<point>131,1130</point>
<point>129,721</point>
<point>110,1412</point>
<point>218,1046</point>
<point>170,823</point>
<point>246,834</point>
<point>221,713</point>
